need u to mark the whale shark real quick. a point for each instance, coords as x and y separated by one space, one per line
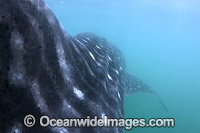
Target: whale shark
45 71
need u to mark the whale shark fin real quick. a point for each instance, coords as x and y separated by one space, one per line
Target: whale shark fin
134 85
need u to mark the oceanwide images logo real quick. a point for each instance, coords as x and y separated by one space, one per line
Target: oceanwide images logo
128 124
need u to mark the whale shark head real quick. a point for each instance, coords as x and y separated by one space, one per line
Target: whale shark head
45 71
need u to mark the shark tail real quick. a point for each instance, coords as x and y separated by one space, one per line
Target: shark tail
134 85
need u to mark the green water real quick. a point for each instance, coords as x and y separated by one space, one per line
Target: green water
160 41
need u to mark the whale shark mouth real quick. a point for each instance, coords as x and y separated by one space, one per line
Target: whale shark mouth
45 71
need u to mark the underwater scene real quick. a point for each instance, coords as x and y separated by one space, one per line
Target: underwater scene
161 46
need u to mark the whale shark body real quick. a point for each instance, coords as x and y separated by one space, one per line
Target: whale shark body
45 71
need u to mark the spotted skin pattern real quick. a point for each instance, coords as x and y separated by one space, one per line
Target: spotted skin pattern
45 71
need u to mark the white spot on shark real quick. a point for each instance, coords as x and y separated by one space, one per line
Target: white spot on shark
79 93
120 68
119 95
69 106
85 41
92 55
117 72
109 77
94 59
17 77
109 58
98 47
66 106
77 40
88 39
80 42
102 115
16 130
